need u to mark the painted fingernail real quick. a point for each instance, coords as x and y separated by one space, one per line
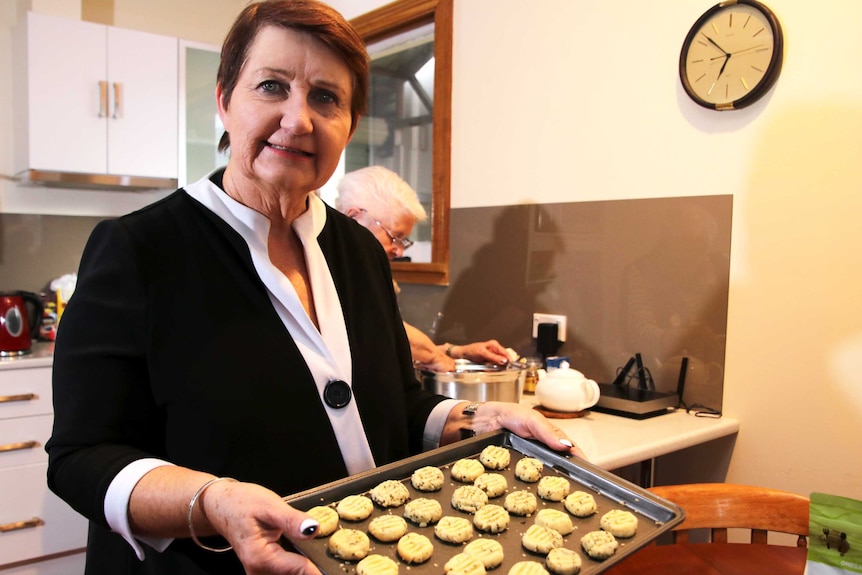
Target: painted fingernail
309 527
567 443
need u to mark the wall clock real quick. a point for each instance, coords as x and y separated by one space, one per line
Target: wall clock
732 55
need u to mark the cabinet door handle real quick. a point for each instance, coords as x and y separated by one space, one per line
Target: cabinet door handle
118 101
19 446
21 397
18 525
103 99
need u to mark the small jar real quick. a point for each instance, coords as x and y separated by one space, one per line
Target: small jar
531 374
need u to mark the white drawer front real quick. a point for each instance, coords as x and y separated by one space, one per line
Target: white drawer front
25 392
69 565
22 440
24 496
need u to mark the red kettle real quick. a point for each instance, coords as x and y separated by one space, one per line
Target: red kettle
18 324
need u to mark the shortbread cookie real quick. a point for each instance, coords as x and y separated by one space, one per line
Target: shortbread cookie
469 498
354 508
599 544
453 529
580 504
377 565
559 521
326 517
491 519
521 503
464 564
493 484
349 544
387 528
488 551
423 511
619 523
467 470
414 548
541 539
495 457
553 488
529 469
562 561
527 568
427 479
390 493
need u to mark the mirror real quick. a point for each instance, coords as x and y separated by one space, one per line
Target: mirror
408 125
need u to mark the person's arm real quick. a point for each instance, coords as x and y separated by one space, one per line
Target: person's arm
519 419
250 517
478 352
426 353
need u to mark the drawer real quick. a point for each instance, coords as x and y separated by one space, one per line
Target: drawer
25 499
25 392
22 440
68 565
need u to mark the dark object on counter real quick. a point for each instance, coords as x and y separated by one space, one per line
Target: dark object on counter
20 318
546 339
624 372
634 402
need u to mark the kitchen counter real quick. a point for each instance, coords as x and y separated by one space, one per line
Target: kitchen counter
612 442
609 441
42 355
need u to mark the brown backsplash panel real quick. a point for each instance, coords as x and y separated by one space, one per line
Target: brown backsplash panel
35 249
646 276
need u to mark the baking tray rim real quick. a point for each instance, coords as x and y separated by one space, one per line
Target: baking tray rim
666 514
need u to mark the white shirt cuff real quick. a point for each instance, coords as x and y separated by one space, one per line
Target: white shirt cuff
117 504
436 422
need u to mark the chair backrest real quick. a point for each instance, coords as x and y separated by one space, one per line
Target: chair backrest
719 506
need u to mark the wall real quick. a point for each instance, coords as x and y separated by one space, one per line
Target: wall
573 100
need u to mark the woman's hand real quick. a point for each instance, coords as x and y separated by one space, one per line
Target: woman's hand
253 519
481 352
519 419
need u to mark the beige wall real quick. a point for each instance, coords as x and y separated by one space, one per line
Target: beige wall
575 100
572 100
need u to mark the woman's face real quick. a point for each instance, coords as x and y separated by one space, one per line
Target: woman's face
289 115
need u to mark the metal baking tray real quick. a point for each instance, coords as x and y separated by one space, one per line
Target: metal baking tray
655 515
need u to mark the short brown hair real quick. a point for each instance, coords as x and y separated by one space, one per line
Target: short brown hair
316 18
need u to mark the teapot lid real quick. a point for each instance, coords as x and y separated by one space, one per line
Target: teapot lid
564 371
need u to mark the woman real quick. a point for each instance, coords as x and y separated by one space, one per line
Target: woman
233 330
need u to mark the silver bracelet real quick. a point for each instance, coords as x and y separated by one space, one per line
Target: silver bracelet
192 503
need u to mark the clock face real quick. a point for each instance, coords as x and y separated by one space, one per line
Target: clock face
732 55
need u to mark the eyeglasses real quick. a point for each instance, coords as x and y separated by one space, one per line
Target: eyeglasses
405 242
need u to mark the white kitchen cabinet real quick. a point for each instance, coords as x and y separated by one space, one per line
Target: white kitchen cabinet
34 523
95 99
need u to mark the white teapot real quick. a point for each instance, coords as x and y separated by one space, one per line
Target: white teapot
566 389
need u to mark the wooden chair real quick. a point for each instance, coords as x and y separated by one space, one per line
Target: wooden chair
719 506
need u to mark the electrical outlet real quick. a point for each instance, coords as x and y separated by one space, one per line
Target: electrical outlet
560 320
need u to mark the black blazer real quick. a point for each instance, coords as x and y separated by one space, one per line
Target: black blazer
170 348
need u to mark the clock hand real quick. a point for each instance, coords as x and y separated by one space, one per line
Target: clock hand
726 55
711 41
748 49
721 71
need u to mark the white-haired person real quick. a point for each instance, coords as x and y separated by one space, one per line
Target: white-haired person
383 202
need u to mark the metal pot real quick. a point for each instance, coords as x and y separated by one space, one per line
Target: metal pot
476 382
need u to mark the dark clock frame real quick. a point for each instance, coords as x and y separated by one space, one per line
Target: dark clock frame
772 71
